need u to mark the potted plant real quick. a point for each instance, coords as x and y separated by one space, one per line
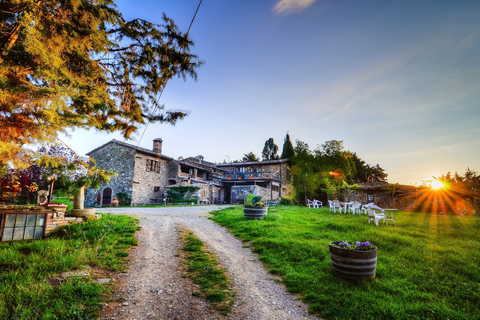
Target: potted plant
353 260
115 202
254 208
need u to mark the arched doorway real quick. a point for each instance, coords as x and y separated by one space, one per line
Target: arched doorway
107 197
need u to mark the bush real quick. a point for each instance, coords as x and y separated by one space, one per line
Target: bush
256 199
184 200
286 201
66 201
181 192
124 198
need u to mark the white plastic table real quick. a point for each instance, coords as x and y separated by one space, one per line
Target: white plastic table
391 216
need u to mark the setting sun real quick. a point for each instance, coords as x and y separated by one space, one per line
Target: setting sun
436 184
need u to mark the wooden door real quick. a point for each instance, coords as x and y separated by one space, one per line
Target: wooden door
107 197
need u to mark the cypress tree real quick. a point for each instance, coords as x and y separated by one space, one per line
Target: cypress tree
287 152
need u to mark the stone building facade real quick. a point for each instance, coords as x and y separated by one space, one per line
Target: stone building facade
146 174
142 173
272 177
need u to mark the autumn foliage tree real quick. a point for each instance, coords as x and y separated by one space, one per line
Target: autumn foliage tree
80 64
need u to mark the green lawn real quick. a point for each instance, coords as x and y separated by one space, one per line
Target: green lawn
28 287
202 267
428 265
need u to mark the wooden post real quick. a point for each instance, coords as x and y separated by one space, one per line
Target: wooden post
50 191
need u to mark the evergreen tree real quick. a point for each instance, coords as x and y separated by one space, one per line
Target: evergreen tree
80 64
251 157
287 152
270 150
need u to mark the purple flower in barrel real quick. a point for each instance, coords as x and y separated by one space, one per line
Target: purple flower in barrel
364 246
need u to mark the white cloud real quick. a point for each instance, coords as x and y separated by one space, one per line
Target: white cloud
289 6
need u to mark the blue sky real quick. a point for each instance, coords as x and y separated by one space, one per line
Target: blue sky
397 81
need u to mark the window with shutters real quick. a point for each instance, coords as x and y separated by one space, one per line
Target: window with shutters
153 166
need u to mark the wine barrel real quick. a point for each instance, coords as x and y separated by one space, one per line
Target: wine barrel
254 212
353 264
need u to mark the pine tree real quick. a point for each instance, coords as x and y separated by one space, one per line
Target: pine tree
287 152
80 64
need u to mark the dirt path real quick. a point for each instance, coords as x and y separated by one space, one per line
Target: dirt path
153 287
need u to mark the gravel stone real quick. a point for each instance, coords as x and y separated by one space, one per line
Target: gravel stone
158 242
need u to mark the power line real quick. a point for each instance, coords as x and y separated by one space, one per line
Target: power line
161 92
193 19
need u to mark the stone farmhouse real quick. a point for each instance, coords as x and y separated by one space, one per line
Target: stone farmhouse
146 175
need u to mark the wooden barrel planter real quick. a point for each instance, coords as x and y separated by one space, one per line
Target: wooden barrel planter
255 212
353 264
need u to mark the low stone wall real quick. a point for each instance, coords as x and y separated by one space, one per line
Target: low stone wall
239 193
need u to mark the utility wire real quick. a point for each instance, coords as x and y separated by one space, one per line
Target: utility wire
161 92
193 19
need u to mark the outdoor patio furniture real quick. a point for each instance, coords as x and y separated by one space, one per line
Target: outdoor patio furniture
344 206
318 203
355 207
334 205
313 203
331 206
391 216
376 214
366 206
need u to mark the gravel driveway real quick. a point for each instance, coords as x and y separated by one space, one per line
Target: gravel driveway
153 287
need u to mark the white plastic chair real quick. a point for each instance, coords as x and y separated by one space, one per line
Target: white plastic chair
355 207
310 203
331 206
336 206
314 203
317 203
366 206
376 214
344 207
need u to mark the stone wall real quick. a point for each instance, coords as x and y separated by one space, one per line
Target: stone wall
286 186
144 182
239 193
209 194
116 158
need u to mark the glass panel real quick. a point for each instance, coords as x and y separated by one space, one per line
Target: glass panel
38 232
18 235
7 234
21 219
40 219
11 220
31 220
29 233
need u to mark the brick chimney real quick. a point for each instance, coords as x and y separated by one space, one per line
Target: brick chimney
157 146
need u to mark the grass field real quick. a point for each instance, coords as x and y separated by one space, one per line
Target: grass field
428 265
28 287
202 267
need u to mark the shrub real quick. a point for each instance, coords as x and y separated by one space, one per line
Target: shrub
124 198
256 199
286 201
184 200
181 192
